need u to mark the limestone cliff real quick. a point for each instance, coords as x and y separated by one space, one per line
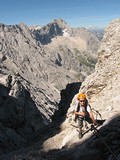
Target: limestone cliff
103 86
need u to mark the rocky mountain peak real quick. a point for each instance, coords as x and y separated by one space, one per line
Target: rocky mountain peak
51 30
61 23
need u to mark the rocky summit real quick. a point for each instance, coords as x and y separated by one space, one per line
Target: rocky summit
41 71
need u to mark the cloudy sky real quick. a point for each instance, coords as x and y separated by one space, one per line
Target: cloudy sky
77 13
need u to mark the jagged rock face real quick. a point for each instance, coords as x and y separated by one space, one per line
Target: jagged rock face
22 56
22 116
103 86
27 102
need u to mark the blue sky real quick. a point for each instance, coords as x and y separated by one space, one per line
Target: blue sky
77 13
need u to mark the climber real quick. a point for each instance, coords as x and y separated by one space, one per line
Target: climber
83 112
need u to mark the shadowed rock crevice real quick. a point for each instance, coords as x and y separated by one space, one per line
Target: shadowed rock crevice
67 95
59 116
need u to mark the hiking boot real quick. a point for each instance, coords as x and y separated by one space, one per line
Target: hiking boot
80 135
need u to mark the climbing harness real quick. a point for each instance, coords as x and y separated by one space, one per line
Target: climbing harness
93 128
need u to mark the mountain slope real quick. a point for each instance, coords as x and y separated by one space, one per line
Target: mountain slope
99 32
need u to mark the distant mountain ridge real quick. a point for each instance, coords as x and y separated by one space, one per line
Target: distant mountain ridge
57 28
99 32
